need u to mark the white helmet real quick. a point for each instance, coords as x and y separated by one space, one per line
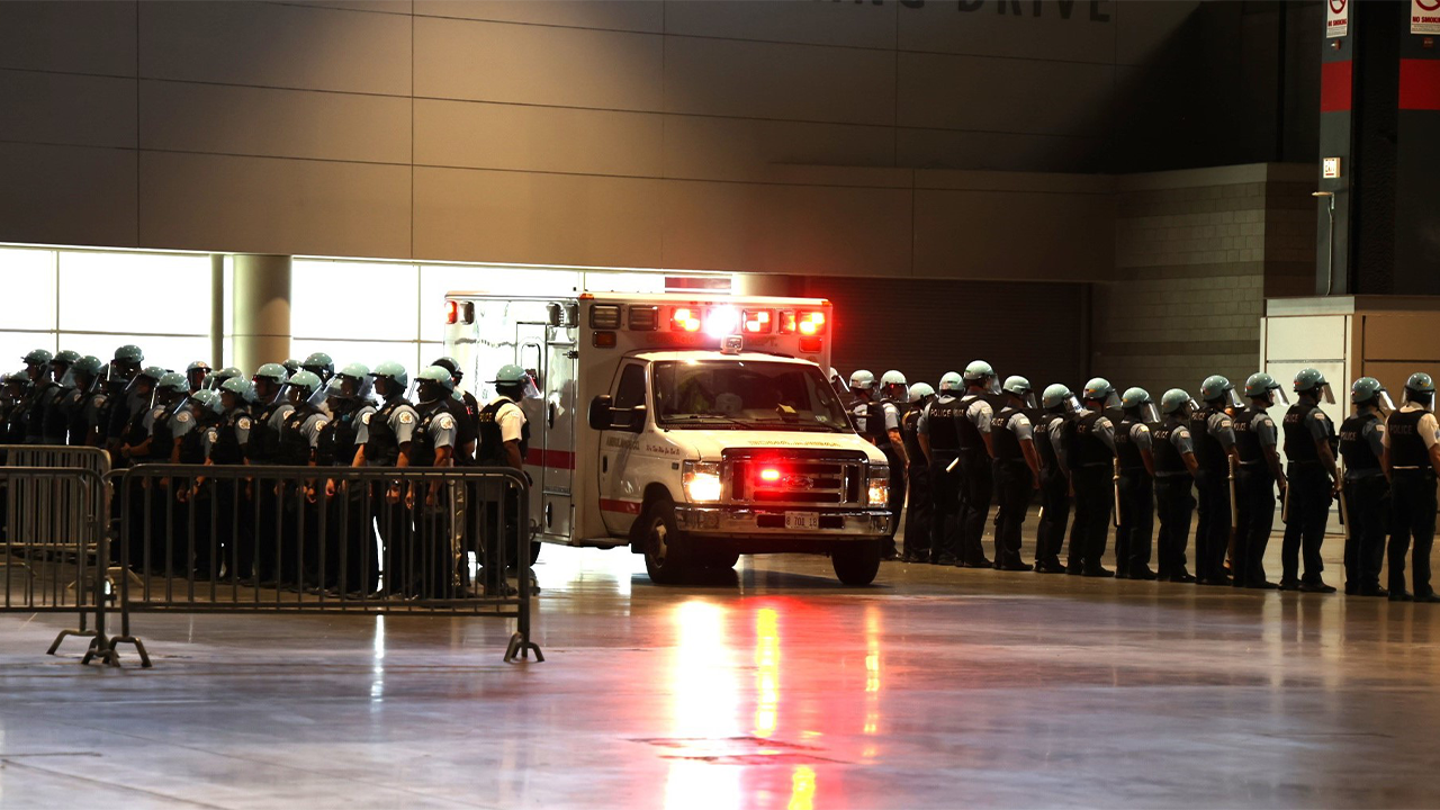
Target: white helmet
862 379
952 382
919 391
893 377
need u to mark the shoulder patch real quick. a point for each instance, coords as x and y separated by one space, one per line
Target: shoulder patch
365 417
182 417
1320 415
406 417
1143 428
446 422
243 423
321 423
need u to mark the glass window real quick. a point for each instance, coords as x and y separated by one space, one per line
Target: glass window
743 394
369 352
29 301
631 390
437 279
15 345
172 353
353 299
147 293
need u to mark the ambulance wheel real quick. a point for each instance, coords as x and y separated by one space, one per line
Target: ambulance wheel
720 560
856 563
534 551
667 555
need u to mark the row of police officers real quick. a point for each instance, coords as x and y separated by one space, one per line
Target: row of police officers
1122 458
310 415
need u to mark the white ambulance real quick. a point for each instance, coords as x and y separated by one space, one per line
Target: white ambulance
692 428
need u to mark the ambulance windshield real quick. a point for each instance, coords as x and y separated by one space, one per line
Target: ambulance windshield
744 395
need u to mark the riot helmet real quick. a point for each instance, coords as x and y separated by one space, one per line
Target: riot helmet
1262 386
451 365
1178 402
37 364
862 381
514 382
268 380
893 386
391 380
319 364
1367 392
206 401
1217 389
217 380
291 366
1099 389
86 372
172 388
235 393
1310 381
60 367
302 387
356 382
195 374
951 382
980 373
433 384
1059 398
1137 402
1420 390
919 393
1020 387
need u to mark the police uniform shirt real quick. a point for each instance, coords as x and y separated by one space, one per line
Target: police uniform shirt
1372 433
1222 427
242 433
1264 429
1019 424
892 415
510 419
362 424
1140 436
180 424
1057 437
1318 424
444 430
980 415
277 419
1104 430
1183 443
312 426
1428 429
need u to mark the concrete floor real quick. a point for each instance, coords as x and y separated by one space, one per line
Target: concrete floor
770 687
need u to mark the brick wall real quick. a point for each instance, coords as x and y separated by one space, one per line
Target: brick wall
1197 252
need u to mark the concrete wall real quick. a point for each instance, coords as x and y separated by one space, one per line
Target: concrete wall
855 139
1197 253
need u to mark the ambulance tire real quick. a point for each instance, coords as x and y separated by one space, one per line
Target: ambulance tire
720 560
534 551
856 563
667 552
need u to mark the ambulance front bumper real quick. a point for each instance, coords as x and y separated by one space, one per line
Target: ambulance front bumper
745 521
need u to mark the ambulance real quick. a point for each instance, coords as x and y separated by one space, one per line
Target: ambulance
689 427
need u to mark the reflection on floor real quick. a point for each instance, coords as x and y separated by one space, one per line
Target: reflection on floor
771 686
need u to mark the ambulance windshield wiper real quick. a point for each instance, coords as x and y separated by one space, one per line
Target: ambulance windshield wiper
738 424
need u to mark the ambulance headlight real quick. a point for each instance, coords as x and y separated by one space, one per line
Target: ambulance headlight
702 481
878 494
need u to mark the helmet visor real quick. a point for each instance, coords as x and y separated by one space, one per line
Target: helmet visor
1232 400
1028 398
1112 401
992 385
1410 399
1149 413
1278 396
1072 404
1384 402
1324 394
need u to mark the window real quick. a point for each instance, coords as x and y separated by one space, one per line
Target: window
748 395
631 390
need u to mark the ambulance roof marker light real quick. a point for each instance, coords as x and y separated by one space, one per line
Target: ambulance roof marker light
684 319
721 321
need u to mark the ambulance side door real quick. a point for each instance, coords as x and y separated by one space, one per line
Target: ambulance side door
620 494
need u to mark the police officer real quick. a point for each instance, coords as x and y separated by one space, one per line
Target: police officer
83 403
1175 465
1049 424
55 423
433 558
140 392
12 426
123 402
467 414
1412 457
1090 455
894 391
321 365
389 433
196 374
917 514
1366 491
1135 485
1213 431
862 406
1258 471
169 422
1313 479
41 394
939 434
504 442
299 435
977 483
205 547
1016 470
225 444
350 559
291 366
217 380
270 408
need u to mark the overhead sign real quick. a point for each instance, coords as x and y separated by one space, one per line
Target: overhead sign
1424 16
1337 18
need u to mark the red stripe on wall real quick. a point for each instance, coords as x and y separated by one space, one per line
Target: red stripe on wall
1420 84
554 459
627 507
1335 86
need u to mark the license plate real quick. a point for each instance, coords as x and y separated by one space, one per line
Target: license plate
802 521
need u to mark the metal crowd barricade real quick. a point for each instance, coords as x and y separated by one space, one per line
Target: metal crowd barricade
54 547
239 539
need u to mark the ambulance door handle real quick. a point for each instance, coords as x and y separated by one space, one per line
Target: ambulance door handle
604 464
550 416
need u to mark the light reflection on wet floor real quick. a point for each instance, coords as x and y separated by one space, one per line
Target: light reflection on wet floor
771 686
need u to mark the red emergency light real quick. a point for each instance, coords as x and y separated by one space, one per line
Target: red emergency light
759 321
812 323
770 474
452 311
685 320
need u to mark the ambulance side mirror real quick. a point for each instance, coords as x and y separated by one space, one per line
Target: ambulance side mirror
604 416
600 412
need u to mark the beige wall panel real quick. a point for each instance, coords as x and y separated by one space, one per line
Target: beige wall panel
274 123
996 151
1013 235
528 64
1145 28
469 215
995 30
275 46
617 15
67 195
79 37
1401 337
960 92
1304 339
548 139
382 6
856 25
791 82
65 109
800 230
273 205
702 147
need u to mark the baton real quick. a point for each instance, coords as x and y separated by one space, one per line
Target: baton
1285 507
1234 502
951 466
1344 510
1115 482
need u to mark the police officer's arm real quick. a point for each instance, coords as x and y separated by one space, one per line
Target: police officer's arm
1105 430
1058 427
1140 434
922 434
981 414
892 429
512 421
1180 437
1320 432
1270 445
1429 430
1025 433
1224 431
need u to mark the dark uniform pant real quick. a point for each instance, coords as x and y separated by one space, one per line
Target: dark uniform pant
1309 511
917 514
1175 506
1054 514
944 509
1412 498
1094 498
1137 522
896 502
1365 502
1014 486
1212 532
1255 512
977 490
